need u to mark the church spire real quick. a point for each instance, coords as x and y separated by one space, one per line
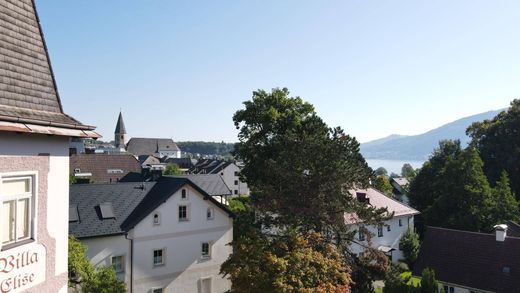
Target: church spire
120 133
120 126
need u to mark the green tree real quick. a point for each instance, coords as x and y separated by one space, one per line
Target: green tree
299 171
172 169
381 171
505 206
410 246
428 282
408 172
498 141
382 184
83 277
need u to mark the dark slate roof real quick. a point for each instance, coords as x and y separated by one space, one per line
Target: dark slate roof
213 184
474 260
208 166
163 189
28 92
120 126
513 229
102 167
149 146
184 163
148 160
124 197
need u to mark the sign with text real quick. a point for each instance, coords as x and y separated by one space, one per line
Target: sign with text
22 268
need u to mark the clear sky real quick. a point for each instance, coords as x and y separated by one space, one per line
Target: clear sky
181 69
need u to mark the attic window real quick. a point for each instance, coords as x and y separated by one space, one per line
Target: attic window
184 193
73 213
156 219
77 170
107 212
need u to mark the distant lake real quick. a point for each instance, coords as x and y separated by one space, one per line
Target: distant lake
393 165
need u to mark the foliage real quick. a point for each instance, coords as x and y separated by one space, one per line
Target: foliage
498 141
381 171
206 148
505 206
172 169
371 265
410 246
299 171
428 282
397 281
408 172
394 175
72 179
83 277
382 183
289 262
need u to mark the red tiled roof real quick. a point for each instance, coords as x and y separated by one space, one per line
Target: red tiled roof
105 168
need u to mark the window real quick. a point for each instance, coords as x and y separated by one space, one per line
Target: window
209 213
388 228
449 289
236 191
184 194
206 250
158 257
156 219
183 213
16 216
361 236
236 182
380 231
205 285
157 290
400 222
236 173
118 263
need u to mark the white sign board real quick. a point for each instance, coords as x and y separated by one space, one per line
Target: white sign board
22 268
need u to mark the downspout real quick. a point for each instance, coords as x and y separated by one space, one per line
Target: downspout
131 261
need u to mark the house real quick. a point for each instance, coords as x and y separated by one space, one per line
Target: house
164 236
104 168
158 147
185 164
34 158
400 188
385 237
227 169
467 262
213 184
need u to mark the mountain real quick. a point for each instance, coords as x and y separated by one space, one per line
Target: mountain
419 147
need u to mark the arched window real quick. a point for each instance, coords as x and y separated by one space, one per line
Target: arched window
156 219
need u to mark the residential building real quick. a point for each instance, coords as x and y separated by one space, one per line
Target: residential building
185 164
164 236
470 262
34 158
229 171
385 237
400 188
213 184
105 168
158 147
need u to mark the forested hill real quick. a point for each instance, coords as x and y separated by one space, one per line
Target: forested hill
206 148
419 147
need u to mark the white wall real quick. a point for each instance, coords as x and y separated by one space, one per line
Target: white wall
101 250
390 238
184 267
228 174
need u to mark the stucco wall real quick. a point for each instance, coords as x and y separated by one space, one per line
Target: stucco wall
184 267
47 157
228 174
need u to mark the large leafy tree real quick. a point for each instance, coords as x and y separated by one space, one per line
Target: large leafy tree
505 207
498 141
300 172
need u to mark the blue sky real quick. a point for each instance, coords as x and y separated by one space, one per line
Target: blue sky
181 69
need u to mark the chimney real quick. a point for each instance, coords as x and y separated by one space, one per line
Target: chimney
362 197
500 232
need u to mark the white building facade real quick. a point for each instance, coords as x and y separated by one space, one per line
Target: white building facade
175 245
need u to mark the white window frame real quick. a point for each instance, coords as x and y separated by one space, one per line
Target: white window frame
163 257
158 219
209 211
32 195
122 270
186 195
202 255
187 219
157 288
210 283
380 229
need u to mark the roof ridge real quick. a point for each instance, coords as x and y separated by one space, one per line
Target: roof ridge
467 232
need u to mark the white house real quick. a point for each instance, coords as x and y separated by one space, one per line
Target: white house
164 236
229 171
34 158
385 237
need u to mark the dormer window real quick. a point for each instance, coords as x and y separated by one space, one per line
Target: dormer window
156 219
184 194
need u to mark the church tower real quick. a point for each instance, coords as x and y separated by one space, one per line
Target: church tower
120 134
